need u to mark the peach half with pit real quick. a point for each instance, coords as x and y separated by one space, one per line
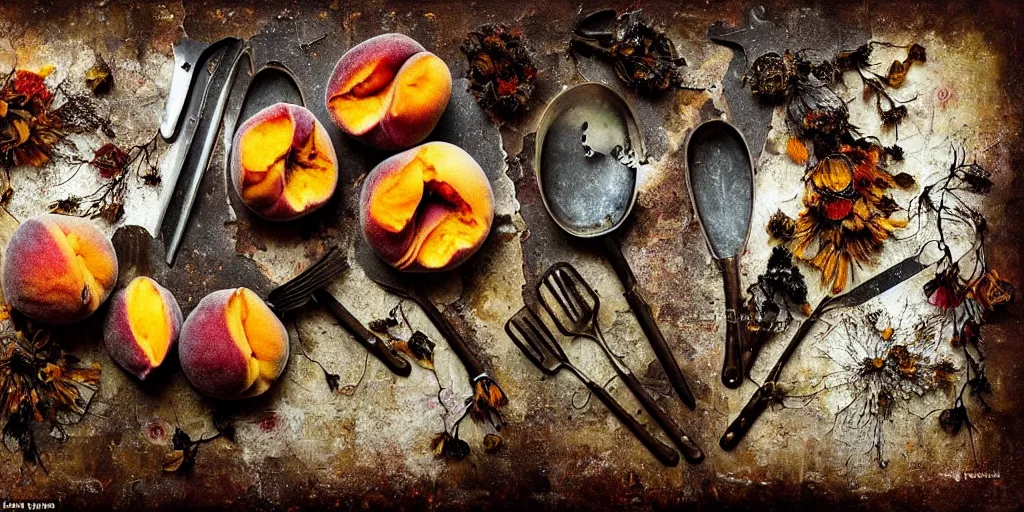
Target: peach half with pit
428 208
58 269
283 164
388 92
142 326
232 345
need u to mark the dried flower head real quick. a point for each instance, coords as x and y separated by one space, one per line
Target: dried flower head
501 72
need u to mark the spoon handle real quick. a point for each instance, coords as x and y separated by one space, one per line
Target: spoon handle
646 319
732 367
663 452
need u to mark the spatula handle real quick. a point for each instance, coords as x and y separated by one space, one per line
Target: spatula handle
645 318
663 452
455 340
732 367
396 363
684 443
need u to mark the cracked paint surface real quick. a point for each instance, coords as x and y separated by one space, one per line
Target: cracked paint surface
301 445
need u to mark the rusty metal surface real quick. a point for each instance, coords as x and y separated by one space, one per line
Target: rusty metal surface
303 446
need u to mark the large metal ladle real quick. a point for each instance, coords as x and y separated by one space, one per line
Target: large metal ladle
589 148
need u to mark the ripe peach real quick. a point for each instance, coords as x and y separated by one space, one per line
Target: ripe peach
58 269
142 326
388 91
232 345
427 208
283 163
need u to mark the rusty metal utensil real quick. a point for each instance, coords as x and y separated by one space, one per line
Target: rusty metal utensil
309 285
720 175
575 309
405 286
538 344
767 392
589 148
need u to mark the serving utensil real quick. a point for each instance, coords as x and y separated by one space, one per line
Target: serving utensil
721 183
309 286
574 307
877 285
538 344
589 148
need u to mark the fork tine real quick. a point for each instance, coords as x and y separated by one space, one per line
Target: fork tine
545 336
516 328
558 293
571 280
569 304
296 291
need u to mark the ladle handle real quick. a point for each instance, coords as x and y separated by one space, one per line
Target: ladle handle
646 319
374 345
663 452
732 366
455 340
683 442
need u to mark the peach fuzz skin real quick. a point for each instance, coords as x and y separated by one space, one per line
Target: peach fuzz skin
58 269
388 92
426 209
283 164
142 326
232 345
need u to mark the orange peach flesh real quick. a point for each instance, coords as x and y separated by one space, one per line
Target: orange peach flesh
253 329
90 263
268 157
148 319
374 90
455 220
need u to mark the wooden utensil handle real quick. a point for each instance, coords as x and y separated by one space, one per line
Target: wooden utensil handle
732 367
663 452
455 340
645 318
741 425
684 443
397 364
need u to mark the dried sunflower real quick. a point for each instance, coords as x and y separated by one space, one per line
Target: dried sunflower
28 127
845 212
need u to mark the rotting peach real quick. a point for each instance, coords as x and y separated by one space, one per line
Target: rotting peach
427 208
142 326
58 269
232 345
388 92
283 164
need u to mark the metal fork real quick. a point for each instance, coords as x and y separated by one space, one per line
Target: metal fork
574 311
309 285
535 340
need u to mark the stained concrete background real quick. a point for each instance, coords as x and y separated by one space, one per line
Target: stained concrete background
303 446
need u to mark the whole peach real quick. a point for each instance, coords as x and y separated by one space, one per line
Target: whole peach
428 208
388 91
283 164
142 326
58 269
232 345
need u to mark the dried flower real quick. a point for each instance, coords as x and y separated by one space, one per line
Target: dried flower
99 77
449 447
781 226
643 56
501 72
488 398
990 291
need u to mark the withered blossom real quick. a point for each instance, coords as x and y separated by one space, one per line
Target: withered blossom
643 56
501 72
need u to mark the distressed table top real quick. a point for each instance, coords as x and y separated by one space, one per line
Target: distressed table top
302 445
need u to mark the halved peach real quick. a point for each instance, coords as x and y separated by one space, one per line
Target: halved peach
232 345
283 164
388 91
428 208
58 269
142 326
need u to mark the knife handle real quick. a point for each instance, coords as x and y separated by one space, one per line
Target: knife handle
645 318
663 452
732 366
396 363
691 452
741 425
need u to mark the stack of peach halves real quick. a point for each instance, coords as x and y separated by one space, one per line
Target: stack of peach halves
59 270
427 208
